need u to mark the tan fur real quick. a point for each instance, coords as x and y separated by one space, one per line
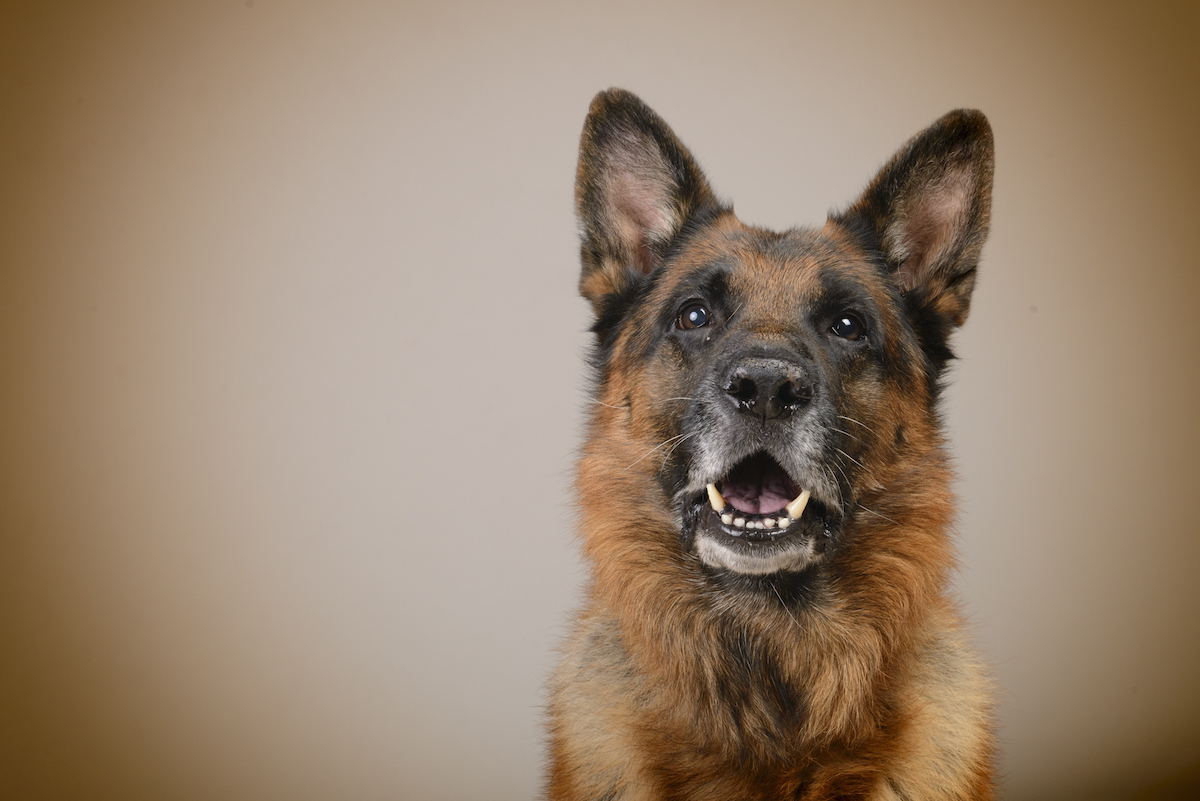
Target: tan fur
676 683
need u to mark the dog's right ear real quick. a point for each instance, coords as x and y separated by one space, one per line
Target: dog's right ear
635 187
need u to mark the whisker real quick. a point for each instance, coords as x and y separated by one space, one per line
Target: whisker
608 405
874 482
851 458
847 433
656 447
665 400
783 603
682 440
864 425
884 517
841 500
833 480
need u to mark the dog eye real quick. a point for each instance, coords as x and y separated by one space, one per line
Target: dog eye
847 326
694 315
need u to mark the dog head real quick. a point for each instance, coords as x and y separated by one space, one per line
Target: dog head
777 386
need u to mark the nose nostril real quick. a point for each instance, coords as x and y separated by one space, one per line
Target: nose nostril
792 393
743 389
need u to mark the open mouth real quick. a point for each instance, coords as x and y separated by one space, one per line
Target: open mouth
759 500
759 520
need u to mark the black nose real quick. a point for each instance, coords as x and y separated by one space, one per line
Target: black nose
768 388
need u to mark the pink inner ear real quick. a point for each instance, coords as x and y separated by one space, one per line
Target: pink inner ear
638 196
930 224
642 213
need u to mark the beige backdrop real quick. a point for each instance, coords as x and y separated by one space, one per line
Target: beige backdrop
291 370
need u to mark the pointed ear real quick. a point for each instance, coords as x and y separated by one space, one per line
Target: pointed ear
635 188
927 211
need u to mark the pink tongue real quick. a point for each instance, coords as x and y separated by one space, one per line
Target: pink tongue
756 498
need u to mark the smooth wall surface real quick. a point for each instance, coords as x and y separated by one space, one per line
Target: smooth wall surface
291 370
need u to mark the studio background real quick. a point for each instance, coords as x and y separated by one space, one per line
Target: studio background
291 370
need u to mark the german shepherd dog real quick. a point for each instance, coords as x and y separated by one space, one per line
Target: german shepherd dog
764 489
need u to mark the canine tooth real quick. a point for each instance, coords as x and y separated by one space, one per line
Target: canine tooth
740 522
784 522
727 519
796 507
769 522
715 498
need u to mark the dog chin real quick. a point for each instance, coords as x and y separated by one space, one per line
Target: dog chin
792 555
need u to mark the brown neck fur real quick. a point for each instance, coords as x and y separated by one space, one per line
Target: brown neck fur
788 681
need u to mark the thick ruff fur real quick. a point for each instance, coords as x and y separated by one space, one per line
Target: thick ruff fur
732 647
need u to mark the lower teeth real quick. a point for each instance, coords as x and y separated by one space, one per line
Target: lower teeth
759 524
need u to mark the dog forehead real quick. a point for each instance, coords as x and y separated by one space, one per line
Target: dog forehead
758 266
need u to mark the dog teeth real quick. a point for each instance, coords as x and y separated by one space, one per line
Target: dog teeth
796 507
715 498
720 505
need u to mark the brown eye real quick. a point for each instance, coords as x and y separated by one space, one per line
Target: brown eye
694 315
847 326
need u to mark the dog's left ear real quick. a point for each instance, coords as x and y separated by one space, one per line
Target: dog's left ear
927 211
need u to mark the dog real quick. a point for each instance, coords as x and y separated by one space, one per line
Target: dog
764 488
